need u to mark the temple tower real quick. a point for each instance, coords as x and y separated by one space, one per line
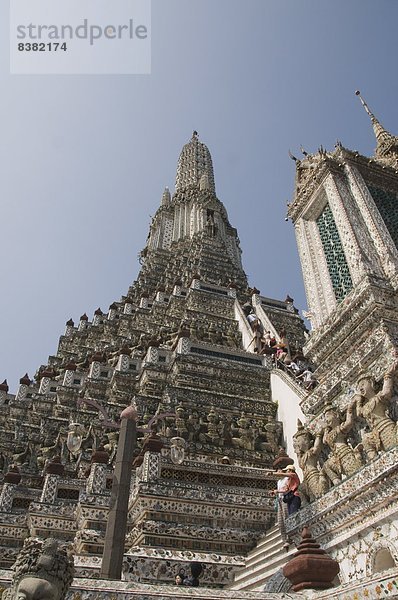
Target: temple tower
179 344
345 214
190 235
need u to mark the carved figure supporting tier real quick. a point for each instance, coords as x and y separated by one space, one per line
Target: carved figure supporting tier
245 433
372 407
43 571
21 455
49 449
180 424
308 450
268 437
343 460
224 428
212 436
194 427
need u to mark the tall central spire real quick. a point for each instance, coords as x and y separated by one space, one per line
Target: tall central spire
195 167
190 235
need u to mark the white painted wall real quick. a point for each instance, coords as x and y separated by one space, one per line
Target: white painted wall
288 412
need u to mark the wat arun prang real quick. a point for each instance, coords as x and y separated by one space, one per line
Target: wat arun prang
180 344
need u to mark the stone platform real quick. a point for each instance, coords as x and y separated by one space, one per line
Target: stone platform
89 589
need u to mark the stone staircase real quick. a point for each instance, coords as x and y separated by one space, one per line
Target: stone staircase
263 562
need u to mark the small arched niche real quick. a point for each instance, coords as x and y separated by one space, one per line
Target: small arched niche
383 560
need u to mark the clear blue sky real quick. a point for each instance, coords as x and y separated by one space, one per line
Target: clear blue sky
84 159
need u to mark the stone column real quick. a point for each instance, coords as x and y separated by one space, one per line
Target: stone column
117 519
160 296
96 361
83 323
128 307
152 355
50 489
144 301
3 392
69 328
69 374
11 481
112 311
96 482
6 497
98 317
44 385
177 288
54 470
24 384
123 362
45 380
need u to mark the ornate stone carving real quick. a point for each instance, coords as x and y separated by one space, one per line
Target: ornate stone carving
173 342
343 460
372 407
42 570
308 451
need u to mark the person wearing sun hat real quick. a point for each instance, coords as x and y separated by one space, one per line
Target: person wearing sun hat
281 509
291 494
287 496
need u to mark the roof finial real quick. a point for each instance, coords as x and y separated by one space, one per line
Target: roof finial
303 151
366 107
387 144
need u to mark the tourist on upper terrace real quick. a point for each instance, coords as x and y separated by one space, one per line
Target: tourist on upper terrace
292 366
268 344
300 362
297 367
253 320
283 343
266 339
308 378
258 330
247 308
281 354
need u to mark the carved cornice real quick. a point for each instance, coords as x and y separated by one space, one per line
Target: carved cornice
372 348
309 178
356 498
312 172
348 316
198 466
